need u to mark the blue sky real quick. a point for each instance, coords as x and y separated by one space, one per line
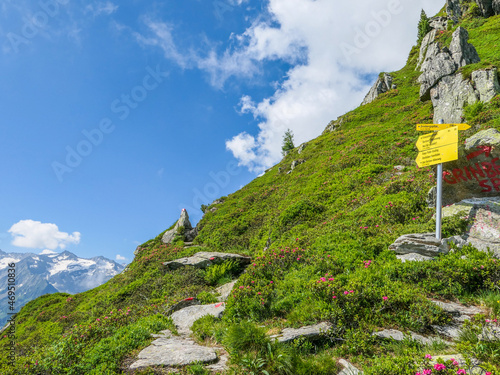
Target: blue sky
116 115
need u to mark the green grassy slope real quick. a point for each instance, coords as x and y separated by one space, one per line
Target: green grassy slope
333 217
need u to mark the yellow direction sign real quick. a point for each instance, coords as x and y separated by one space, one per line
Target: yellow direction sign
437 155
439 147
436 127
438 139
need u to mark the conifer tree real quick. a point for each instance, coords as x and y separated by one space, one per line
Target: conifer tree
423 26
287 142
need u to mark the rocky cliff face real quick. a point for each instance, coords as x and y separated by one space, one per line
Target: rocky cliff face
441 80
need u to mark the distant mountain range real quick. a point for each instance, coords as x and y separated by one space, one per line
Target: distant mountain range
50 272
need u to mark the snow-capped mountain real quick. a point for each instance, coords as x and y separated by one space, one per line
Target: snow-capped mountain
50 272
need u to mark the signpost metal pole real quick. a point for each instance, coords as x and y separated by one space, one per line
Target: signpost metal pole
439 196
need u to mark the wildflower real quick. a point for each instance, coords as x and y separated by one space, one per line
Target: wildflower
428 356
461 371
439 366
385 298
427 372
334 297
346 292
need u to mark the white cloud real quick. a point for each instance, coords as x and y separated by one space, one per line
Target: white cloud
47 252
101 8
332 46
37 235
120 258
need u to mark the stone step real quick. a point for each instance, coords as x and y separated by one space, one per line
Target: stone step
205 259
184 318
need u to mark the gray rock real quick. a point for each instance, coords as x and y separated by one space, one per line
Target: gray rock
462 51
334 125
412 257
205 259
486 83
426 43
190 235
420 243
483 231
182 305
172 351
496 6
450 331
439 23
309 332
348 368
382 85
438 63
400 336
221 365
184 319
456 240
454 10
486 7
457 309
296 163
450 96
476 173
301 148
224 291
184 222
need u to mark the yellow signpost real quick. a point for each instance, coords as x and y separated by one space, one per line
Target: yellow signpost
436 127
438 147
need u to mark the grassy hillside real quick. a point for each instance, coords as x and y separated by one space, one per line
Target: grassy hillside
332 217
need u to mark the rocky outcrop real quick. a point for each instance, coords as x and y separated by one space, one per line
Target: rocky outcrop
441 62
309 332
348 368
296 163
171 351
301 148
224 291
182 228
382 85
439 23
486 84
476 173
462 51
424 46
483 231
184 319
450 96
400 336
335 125
486 7
205 259
424 244
454 9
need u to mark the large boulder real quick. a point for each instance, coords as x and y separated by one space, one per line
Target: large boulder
483 231
486 7
476 173
424 46
205 259
486 84
425 244
462 51
450 96
454 9
441 62
189 232
382 85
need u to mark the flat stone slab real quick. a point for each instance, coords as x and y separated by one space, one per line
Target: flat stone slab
349 369
182 305
413 257
400 336
172 351
309 332
225 291
205 259
450 331
424 244
184 319
458 309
